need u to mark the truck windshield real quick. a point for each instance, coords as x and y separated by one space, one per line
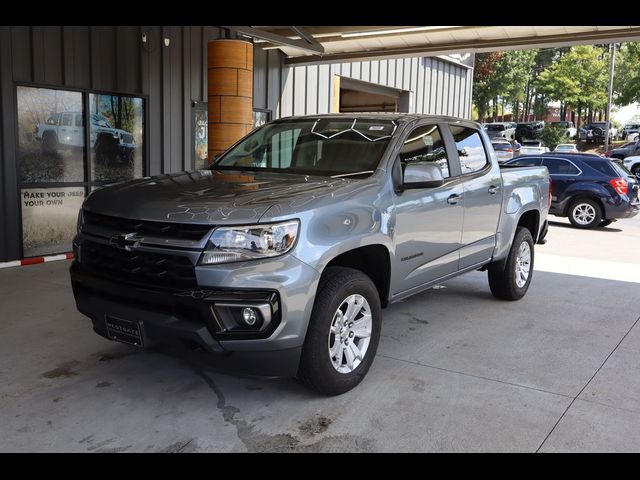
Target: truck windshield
332 147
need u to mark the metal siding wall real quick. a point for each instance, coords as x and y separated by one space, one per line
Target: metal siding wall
436 86
312 90
324 89
113 58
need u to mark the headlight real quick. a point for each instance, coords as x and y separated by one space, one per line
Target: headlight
239 244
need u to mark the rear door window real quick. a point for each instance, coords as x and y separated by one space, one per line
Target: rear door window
601 166
473 157
560 166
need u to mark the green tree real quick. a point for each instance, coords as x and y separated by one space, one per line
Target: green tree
626 81
485 86
552 135
579 78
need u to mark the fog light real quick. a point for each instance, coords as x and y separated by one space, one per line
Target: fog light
249 315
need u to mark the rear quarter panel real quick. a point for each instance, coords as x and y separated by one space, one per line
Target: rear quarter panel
525 189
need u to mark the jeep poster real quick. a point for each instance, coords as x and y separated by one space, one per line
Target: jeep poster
50 135
49 217
117 129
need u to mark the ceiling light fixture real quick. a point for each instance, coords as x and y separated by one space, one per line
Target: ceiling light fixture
393 30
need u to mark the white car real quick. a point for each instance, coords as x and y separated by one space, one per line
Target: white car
632 137
533 147
500 130
566 148
503 150
533 150
633 164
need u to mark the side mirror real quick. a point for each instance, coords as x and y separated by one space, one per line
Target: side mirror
422 175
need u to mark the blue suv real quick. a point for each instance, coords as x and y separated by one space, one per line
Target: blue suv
591 190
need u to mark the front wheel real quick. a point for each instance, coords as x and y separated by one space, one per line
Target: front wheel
636 171
343 333
512 281
585 213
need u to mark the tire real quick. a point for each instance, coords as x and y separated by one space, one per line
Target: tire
318 369
507 283
106 152
636 171
585 213
49 144
605 223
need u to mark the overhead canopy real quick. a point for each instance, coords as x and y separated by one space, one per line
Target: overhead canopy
351 43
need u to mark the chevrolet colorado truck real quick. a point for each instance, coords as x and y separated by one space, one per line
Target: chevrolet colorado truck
281 256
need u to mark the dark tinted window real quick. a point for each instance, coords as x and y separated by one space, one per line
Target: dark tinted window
601 166
424 144
559 166
526 162
470 149
495 128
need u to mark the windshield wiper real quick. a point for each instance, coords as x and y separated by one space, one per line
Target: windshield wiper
350 174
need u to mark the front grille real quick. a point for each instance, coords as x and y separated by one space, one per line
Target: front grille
140 268
181 231
127 138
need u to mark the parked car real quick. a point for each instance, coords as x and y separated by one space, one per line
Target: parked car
282 254
630 128
591 190
570 128
633 164
626 150
532 147
529 131
66 130
503 150
566 147
633 137
596 132
500 130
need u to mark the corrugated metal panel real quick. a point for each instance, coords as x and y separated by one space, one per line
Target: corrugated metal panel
114 59
436 86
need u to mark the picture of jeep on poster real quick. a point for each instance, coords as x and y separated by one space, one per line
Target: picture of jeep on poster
50 135
117 128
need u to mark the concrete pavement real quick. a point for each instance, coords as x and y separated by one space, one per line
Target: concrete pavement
456 371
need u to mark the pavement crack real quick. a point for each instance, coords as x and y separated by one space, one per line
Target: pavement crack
480 377
587 384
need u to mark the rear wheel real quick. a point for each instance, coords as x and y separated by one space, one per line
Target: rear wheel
636 170
343 333
511 280
585 213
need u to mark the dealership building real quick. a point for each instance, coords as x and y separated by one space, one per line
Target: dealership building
164 99
85 106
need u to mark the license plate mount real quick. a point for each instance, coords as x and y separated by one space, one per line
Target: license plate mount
125 331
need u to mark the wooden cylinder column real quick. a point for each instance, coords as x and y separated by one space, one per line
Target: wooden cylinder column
230 87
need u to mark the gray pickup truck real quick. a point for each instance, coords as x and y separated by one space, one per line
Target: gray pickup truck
282 255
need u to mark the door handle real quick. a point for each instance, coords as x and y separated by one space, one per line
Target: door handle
493 189
453 199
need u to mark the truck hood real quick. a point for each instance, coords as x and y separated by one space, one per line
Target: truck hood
206 196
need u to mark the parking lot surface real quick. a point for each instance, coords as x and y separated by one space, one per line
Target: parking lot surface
456 370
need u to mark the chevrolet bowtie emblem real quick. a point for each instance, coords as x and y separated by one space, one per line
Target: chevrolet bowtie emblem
128 242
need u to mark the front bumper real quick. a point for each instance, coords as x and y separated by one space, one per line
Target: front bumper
185 316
